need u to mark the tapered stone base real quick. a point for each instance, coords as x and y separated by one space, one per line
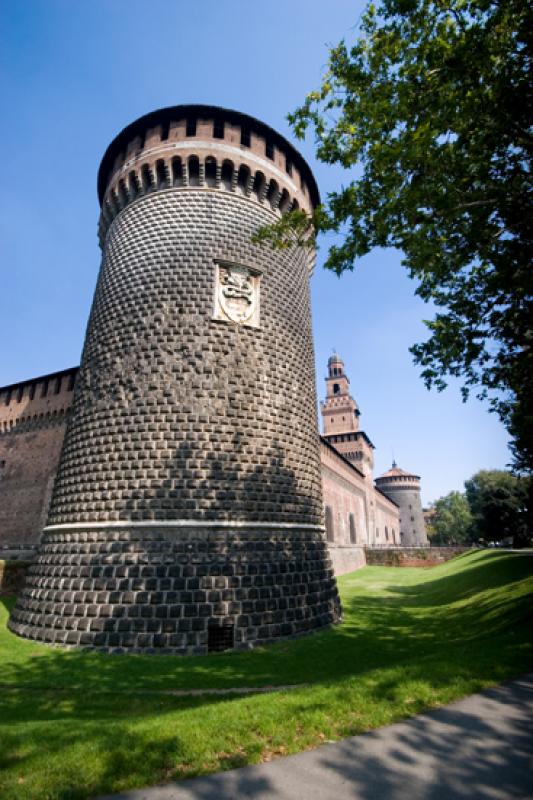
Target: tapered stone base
177 590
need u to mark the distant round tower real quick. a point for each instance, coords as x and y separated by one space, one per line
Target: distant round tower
187 510
403 488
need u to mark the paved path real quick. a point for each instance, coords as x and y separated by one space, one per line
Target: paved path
480 748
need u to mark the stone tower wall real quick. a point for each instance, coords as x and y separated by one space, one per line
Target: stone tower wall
187 509
177 415
406 494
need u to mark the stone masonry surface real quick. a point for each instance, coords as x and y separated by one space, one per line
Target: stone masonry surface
188 496
140 590
176 415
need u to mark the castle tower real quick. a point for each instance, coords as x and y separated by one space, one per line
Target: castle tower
404 489
187 510
340 418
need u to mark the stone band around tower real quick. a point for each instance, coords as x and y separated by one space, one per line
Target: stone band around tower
187 510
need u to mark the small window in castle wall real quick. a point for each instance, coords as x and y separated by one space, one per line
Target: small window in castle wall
31 391
377 533
44 390
165 128
210 171
57 387
244 179
330 533
288 166
284 202
194 171
226 175
269 150
273 193
71 379
353 532
245 137
218 129
386 533
259 184
190 129
147 179
161 173
20 393
336 388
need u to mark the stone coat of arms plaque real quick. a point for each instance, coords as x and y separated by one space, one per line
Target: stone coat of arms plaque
237 294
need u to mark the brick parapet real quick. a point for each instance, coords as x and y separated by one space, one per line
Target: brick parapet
150 157
37 402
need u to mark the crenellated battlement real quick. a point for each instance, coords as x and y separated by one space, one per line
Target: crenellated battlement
30 405
202 147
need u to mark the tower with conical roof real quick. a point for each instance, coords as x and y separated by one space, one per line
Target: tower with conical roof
404 489
340 416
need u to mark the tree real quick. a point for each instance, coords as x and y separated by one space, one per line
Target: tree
501 506
452 521
431 110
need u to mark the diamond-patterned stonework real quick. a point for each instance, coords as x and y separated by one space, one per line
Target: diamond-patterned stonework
161 591
200 433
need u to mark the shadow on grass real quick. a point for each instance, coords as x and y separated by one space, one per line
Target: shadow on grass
474 577
83 746
110 745
410 622
453 752
107 709
468 754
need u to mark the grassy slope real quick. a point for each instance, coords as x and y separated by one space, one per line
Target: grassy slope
74 724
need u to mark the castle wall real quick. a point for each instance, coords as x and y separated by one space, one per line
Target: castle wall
32 428
386 520
345 494
357 515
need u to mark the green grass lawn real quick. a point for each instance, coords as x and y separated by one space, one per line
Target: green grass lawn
76 724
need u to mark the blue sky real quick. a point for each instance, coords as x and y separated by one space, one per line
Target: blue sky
74 73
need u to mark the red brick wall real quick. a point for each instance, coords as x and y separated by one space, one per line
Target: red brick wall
32 427
345 492
30 464
412 556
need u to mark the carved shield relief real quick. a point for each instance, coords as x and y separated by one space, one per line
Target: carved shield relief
237 294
